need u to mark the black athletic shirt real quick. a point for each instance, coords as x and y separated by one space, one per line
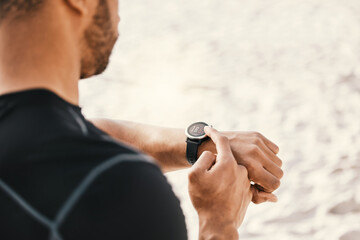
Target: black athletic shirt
63 178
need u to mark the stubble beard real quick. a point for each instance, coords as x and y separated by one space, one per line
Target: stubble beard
98 42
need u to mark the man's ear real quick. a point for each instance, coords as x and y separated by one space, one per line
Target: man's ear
79 6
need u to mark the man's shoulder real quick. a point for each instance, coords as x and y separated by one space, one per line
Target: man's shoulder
125 160
131 198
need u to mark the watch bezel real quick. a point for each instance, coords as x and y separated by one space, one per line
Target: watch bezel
195 137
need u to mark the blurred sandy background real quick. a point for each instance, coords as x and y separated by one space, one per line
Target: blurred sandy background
289 69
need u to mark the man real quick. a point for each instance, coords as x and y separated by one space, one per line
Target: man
63 178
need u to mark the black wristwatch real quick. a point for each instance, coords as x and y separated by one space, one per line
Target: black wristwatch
195 136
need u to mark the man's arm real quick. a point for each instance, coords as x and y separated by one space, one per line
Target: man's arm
219 190
168 147
130 200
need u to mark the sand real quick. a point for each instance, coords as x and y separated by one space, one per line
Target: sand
288 69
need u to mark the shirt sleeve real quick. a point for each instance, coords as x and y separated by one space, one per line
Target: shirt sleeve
132 200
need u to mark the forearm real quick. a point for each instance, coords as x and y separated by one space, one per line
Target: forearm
166 145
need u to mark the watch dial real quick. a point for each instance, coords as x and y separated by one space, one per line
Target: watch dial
197 129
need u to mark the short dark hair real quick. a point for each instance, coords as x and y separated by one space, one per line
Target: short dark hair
18 8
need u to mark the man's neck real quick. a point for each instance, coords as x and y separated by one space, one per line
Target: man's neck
38 55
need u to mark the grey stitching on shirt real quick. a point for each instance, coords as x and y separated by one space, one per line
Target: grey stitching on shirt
79 121
74 197
25 205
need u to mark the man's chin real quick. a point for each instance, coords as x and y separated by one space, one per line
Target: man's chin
99 70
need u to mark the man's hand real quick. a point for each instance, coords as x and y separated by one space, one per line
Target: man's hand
220 190
258 155
168 147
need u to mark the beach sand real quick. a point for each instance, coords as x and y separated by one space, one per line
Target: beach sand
288 69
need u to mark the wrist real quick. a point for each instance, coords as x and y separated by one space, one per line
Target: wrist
214 228
170 148
207 145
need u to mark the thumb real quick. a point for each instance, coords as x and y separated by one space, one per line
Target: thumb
260 196
205 161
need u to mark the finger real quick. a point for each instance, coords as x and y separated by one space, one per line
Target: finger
272 146
273 169
259 196
244 172
205 161
271 155
270 165
221 142
266 180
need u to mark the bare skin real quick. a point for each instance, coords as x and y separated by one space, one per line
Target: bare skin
53 49
168 146
40 51
220 204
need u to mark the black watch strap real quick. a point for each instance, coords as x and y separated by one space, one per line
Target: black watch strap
192 150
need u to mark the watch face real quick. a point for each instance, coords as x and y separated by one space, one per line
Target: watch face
196 130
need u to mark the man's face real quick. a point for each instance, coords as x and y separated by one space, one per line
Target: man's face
99 39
